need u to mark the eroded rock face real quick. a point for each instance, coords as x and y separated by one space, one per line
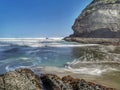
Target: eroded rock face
100 19
21 79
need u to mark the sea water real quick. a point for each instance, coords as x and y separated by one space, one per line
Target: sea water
15 53
59 55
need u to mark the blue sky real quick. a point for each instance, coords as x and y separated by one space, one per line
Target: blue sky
39 18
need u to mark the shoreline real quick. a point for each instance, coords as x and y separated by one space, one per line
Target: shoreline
51 81
102 41
109 79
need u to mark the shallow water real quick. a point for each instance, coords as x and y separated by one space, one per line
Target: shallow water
85 60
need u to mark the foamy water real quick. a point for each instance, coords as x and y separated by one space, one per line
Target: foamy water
47 52
54 55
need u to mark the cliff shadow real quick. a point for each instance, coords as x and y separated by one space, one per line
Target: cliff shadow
99 33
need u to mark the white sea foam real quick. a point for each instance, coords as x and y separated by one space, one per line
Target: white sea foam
42 42
33 42
79 45
8 68
93 67
73 62
82 70
89 71
24 58
31 39
60 45
78 61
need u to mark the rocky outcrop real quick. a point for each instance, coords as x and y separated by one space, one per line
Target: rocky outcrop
103 41
81 84
53 82
25 79
100 19
21 79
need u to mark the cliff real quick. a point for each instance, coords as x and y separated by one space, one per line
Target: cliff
100 19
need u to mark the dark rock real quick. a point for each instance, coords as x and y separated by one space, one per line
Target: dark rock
21 79
81 84
103 41
100 19
1 83
53 82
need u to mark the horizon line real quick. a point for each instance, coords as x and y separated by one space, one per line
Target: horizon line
35 38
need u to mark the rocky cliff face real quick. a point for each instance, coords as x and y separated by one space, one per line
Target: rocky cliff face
100 19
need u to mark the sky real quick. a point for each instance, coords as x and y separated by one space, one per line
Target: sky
39 18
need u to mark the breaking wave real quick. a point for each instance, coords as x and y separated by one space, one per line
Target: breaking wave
89 71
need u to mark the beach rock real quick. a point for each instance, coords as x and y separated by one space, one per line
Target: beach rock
21 79
1 83
81 84
103 41
53 82
100 19
25 79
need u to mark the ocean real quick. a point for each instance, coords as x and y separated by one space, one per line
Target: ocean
15 53
55 54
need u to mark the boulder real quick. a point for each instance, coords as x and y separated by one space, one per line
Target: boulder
21 79
53 82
